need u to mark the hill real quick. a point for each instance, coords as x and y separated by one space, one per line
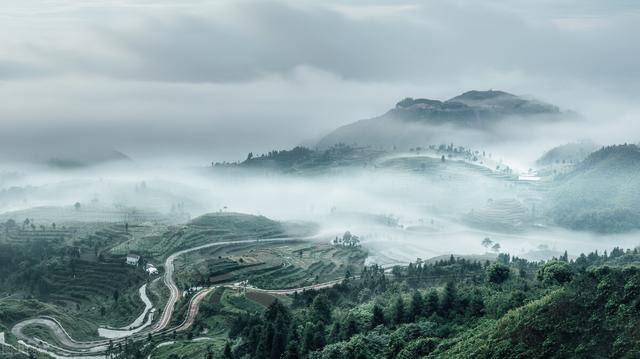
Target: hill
302 160
212 227
593 317
414 121
568 153
602 193
71 161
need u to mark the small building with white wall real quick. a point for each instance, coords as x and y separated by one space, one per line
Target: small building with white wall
133 259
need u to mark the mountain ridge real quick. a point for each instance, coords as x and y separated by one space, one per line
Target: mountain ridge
472 110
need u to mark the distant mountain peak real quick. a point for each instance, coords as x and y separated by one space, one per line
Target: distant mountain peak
86 159
472 108
475 95
477 110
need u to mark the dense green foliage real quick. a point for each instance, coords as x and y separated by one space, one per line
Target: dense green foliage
587 308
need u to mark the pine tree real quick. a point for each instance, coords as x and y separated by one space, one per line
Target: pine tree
377 316
279 341
335 333
351 328
397 312
321 309
447 305
416 306
292 351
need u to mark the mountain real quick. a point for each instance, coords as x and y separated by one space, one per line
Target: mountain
568 153
602 193
79 160
413 121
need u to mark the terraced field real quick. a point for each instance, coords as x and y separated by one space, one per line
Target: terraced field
500 201
86 213
213 227
269 265
83 281
67 272
18 236
505 215
88 278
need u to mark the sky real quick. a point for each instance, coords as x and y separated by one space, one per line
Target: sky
201 81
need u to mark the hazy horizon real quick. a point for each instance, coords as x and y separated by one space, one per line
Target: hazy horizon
211 81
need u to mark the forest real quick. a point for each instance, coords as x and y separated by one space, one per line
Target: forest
584 307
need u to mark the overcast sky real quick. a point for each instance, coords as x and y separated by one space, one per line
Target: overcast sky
216 79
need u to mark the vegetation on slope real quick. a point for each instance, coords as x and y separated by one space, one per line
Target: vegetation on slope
602 194
459 309
570 153
213 227
304 160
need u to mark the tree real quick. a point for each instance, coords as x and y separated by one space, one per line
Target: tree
418 348
496 247
249 156
116 295
555 272
292 352
77 206
449 297
565 256
487 242
498 273
416 306
397 311
350 328
279 341
377 316
321 309
227 354
442 159
431 303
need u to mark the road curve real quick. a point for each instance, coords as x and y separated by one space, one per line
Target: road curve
174 292
95 349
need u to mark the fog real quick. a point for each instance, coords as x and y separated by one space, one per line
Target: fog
399 215
175 86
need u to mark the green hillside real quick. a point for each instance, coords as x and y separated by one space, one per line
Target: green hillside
458 308
213 227
596 316
602 194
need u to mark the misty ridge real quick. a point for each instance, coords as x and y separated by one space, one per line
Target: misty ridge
424 168
319 180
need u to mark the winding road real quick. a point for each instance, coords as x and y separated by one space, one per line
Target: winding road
96 349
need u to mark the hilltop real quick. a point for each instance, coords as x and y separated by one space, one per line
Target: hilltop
412 121
568 153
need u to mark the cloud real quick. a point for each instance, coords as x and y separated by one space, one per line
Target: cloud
217 79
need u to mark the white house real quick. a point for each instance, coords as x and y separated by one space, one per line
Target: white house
133 259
